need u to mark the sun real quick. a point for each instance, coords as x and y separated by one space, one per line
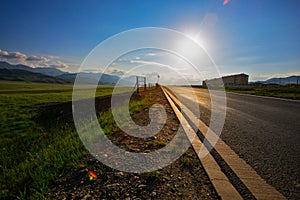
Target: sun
191 44
196 38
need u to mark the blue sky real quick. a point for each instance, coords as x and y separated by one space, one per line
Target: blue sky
258 37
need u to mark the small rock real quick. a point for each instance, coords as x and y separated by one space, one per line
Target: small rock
142 186
153 193
120 173
113 185
86 197
83 170
153 137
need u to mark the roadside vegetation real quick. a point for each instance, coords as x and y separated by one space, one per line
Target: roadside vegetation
281 91
32 154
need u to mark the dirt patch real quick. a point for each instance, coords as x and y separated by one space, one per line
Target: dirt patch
183 179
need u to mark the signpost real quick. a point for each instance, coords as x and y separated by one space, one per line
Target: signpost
140 82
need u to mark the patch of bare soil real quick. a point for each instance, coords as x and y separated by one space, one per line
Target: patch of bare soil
183 179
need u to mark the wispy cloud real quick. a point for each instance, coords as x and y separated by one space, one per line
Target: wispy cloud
157 64
149 63
151 54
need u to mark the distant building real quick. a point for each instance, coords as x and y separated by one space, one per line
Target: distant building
232 80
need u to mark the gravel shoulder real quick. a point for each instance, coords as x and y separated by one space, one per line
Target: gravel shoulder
183 179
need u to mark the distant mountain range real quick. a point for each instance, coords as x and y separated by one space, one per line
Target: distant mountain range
280 81
27 76
52 75
43 70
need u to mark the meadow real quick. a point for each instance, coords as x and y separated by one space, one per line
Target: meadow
280 91
32 154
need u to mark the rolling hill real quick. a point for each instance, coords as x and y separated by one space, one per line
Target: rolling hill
91 77
54 73
283 81
279 81
43 70
27 76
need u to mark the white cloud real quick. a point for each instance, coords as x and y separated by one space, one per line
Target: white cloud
3 53
59 65
115 71
32 60
151 54
12 55
37 58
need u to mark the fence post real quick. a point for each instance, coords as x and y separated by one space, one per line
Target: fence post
137 84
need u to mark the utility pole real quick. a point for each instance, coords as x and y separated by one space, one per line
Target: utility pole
157 84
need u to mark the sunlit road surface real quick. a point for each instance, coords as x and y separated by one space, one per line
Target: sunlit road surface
265 132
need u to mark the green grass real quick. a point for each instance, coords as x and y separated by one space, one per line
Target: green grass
32 156
153 177
286 91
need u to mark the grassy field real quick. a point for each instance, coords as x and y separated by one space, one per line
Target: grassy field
281 91
32 155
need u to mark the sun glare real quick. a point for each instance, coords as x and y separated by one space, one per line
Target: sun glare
196 38
191 44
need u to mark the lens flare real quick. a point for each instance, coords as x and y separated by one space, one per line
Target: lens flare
92 175
226 2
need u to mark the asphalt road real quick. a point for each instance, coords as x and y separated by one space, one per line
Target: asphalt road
265 132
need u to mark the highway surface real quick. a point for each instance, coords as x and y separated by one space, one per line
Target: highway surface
265 132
